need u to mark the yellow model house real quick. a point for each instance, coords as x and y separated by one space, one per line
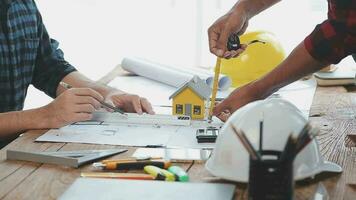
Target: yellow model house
190 98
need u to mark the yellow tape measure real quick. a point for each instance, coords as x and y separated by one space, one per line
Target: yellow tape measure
215 87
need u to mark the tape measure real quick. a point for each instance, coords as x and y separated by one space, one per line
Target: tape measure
233 43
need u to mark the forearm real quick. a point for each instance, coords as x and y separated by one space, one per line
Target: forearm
298 64
253 7
14 123
78 80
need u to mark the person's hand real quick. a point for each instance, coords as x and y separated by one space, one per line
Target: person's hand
235 21
236 100
130 102
73 105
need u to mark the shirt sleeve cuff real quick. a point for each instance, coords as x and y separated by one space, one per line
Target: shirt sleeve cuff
58 78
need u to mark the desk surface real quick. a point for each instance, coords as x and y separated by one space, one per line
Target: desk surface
333 110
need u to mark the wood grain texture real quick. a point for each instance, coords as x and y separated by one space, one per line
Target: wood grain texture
333 111
338 108
13 173
28 180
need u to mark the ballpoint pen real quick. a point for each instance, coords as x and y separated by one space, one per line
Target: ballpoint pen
104 104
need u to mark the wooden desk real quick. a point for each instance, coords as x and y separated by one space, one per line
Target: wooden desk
333 110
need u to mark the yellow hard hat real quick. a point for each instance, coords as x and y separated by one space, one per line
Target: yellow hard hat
257 60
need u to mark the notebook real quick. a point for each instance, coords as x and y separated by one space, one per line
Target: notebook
343 75
337 77
107 189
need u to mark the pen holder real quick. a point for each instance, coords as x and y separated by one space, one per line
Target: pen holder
269 178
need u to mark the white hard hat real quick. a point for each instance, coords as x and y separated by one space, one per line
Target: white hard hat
230 160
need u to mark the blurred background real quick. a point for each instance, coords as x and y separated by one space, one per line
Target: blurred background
96 34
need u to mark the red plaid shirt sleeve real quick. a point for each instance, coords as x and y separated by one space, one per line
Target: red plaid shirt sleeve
335 38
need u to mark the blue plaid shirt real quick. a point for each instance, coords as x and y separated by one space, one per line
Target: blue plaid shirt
27 55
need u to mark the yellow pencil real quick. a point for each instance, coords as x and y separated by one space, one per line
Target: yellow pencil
215 87
132 176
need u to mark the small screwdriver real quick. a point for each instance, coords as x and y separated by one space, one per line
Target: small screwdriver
131 165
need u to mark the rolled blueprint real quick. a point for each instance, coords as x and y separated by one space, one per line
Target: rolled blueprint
169 75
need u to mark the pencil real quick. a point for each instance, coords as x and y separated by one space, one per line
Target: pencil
104 104
132 176
304 132
311 135
246 143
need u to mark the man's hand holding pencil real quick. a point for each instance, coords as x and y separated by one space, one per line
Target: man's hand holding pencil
78 104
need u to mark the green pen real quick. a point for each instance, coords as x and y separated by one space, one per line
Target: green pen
180 174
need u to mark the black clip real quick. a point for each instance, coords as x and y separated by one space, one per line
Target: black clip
233 42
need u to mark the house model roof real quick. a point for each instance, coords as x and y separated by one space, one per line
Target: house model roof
198 86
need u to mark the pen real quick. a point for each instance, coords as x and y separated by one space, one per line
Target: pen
131 165
311 135
261 133
246 143
289 151
154 146
104 104
303 134
131 176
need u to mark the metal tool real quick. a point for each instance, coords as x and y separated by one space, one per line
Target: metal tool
234 43
68 158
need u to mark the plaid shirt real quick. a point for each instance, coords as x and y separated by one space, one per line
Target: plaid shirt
335 38
27 54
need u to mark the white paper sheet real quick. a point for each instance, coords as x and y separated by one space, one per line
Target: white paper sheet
129 135
111 134
169 75
110 189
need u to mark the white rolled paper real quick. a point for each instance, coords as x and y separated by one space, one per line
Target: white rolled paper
169 75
